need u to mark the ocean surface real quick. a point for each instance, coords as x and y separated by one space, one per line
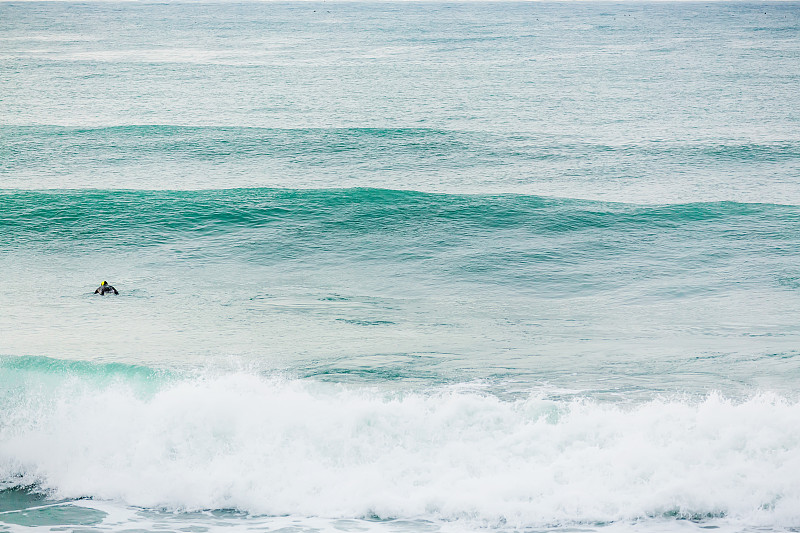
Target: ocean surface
400 267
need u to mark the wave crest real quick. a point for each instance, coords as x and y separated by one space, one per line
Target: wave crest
275 446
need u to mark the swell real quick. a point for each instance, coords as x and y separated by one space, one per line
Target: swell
269 445
223 141
58 150
553 246
149 216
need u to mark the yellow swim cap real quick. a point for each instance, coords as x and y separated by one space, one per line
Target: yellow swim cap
103 283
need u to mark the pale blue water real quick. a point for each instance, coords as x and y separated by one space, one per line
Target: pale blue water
400 266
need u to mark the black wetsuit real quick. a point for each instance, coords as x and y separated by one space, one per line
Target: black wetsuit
102 289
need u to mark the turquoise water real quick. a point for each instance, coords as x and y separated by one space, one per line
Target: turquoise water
399 266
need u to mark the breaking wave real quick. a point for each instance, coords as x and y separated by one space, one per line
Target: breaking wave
278 446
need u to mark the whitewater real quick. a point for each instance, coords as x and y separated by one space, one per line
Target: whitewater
400 267
282 447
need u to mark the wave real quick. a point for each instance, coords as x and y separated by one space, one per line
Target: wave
193 157
428 245
87 214
277 446
370 147
569 245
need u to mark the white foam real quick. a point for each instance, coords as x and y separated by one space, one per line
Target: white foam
300 448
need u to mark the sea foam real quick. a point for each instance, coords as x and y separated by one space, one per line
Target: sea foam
296 447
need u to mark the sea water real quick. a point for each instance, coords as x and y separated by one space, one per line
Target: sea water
400 267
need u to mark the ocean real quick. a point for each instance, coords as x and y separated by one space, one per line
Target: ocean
400 267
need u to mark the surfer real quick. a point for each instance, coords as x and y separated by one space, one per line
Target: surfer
104 288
